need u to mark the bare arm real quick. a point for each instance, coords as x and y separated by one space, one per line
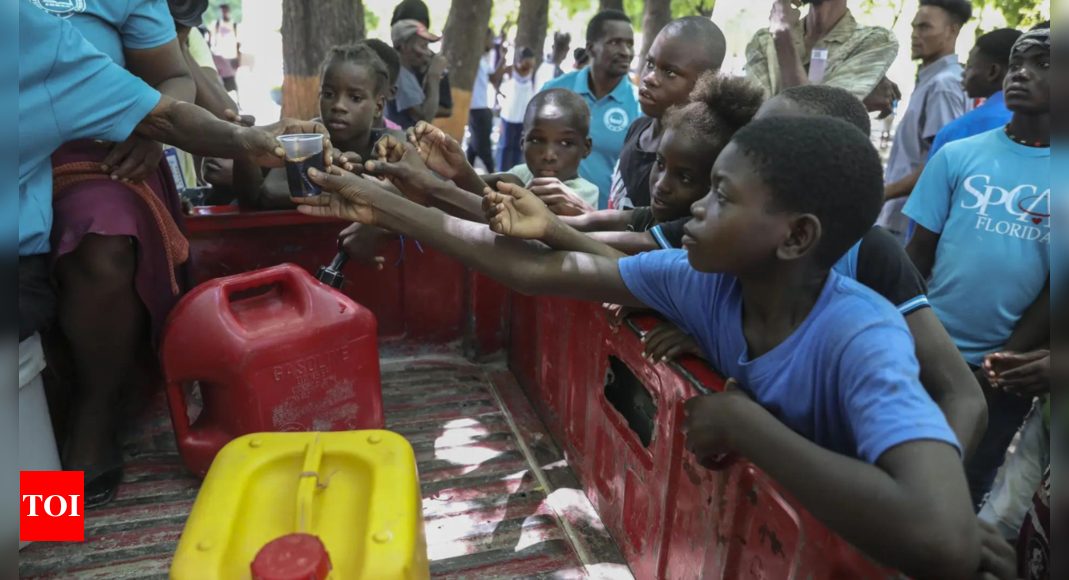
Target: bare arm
947 378
163 68
784 18
1033 329
630 243
875 507
921 249
497 75
195 130
211 95
903 187
791 71
519 265
609 220
432 89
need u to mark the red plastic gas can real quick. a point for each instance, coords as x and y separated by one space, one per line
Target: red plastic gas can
272 350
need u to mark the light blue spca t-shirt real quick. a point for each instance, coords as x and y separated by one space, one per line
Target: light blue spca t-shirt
990 200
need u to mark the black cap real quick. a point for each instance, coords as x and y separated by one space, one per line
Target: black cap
188 12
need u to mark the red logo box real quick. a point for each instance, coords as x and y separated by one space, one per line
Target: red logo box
52 506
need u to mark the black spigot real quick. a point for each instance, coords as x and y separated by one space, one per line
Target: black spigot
332 275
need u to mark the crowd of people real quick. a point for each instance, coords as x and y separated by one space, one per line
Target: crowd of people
879 373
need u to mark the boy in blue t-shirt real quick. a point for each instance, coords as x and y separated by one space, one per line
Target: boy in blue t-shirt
840 419
983 212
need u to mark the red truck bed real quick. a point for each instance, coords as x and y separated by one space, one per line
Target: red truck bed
562 458
487 466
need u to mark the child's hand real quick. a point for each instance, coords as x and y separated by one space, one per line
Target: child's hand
404 168
998 559
615 314
389 149
559 197
350 162
345 196
439 151
709 421
667 342
1026 374
516 212
364 244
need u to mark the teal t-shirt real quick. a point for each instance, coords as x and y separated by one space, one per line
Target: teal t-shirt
610 118
111 25
990 200
68 90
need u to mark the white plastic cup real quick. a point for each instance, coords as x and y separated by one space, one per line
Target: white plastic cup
303 152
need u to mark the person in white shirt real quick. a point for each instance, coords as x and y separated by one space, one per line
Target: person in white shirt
519 90
551 67
483 96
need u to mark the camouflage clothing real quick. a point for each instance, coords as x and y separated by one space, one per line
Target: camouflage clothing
858 56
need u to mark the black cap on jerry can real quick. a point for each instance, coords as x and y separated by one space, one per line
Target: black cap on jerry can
332 275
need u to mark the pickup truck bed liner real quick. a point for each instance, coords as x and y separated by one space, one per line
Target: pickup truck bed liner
499 499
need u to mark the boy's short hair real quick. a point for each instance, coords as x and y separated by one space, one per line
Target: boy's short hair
960 11
361 54
835 102
596 29
1045 25
719 105
568 100
524 53
820 166
703 34
997 44
388 56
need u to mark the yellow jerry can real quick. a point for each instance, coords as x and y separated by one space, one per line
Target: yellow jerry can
357 492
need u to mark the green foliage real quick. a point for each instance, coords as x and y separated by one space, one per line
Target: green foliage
212 13
1018 13
575 6
681 8
371 20
635 8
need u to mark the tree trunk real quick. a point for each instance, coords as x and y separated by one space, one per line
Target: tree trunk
657 15
310 28
531 26
462 43
611 5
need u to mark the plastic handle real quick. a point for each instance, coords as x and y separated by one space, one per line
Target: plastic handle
179 411
286 276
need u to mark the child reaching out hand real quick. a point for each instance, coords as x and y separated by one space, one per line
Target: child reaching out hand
693 135
838 416
352 97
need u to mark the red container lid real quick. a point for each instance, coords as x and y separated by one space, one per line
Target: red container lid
292 557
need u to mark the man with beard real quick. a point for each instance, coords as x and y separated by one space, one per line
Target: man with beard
856 57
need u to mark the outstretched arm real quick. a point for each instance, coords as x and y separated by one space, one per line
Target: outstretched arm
515 263
197 131
518 213
629 243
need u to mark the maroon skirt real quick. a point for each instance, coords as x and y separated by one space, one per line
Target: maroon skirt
108 208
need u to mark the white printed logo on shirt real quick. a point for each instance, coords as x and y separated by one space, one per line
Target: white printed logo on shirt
617 120
61 8
1027 206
